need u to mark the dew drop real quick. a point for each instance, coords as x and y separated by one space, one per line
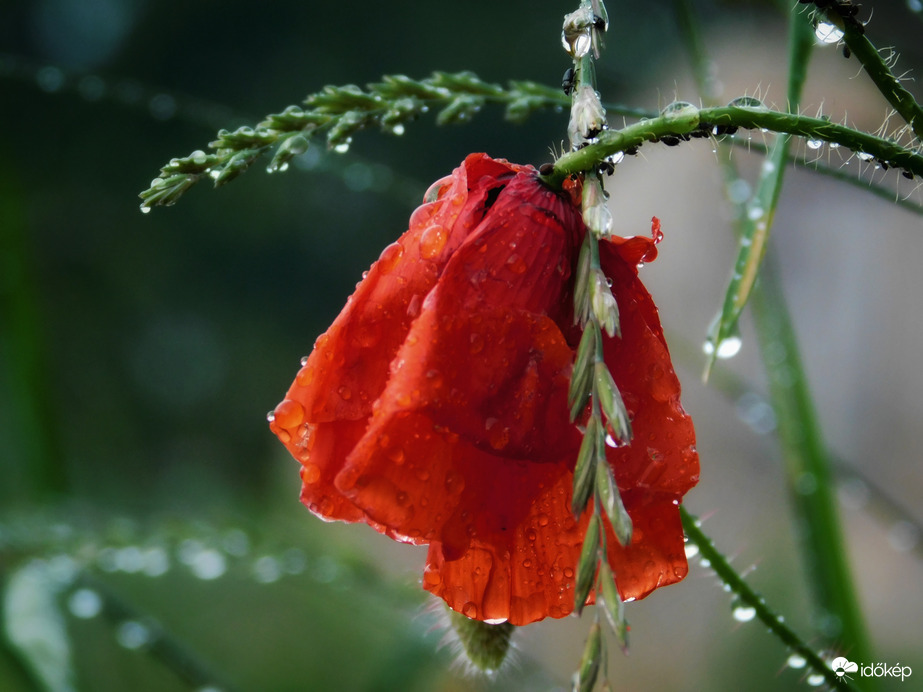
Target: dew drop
145 209
85 604
815 680
342 147
398 129
236 543
747 102
310 474
516 264
266 570
470 610
208 564
796 661
825 32
432 240
155 561
815 144
754 212
288 414
728 348
743 613
131 634
543 520
864 156
691 550
390 256
577 45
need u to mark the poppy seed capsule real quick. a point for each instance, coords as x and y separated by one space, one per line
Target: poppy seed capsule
435 407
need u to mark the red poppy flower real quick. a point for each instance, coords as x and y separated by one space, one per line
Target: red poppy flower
435 407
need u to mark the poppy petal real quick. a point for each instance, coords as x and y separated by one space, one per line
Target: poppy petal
656 556
662 456
519 565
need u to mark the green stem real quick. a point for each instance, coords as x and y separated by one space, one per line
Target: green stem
877 69
752 599
808 471
636 134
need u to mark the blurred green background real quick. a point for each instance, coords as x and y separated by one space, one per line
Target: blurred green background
140 353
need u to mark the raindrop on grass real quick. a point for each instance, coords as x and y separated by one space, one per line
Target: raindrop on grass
132 634
826 32
743 613
85 604
208 564
728 348
796 661
266 570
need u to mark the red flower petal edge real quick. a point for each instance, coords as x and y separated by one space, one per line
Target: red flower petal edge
435 406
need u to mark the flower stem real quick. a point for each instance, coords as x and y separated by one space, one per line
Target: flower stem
808 470
875 66
748 597
636 134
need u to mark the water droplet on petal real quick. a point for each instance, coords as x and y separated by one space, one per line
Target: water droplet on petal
390 257
288 414
432 240
470 610
310 474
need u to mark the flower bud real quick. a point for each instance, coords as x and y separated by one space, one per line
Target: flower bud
587 116
596 214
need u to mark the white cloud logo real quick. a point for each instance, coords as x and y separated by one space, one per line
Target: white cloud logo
841 666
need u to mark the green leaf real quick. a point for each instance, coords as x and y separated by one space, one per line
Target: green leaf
35 626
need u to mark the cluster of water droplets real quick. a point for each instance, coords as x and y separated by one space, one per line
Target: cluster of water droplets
207 557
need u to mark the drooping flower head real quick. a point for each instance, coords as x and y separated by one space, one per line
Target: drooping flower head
435 409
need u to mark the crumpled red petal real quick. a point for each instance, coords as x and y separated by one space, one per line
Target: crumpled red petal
434 408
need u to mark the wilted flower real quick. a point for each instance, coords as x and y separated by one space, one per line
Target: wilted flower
435 407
